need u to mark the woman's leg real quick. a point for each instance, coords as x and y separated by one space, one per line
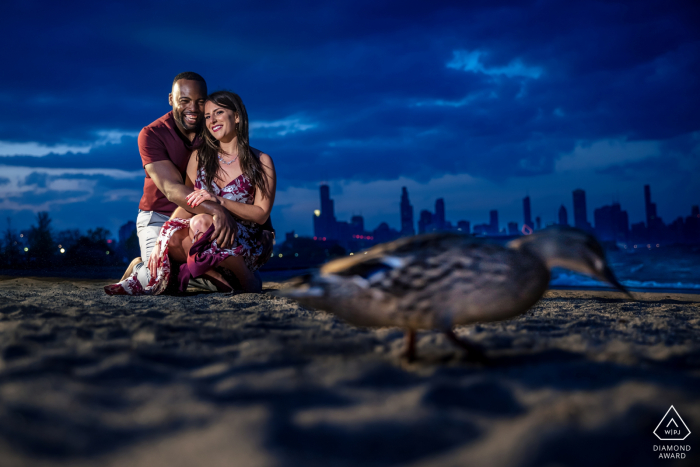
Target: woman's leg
198 226
249 281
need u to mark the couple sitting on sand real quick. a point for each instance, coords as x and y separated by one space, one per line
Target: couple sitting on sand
204 216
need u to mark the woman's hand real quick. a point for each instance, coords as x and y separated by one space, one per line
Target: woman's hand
196 198
153 260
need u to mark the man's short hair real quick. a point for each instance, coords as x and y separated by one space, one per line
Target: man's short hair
190 75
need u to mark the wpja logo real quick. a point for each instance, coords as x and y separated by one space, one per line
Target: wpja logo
672 428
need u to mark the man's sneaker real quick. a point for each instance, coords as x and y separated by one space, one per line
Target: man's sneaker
131 267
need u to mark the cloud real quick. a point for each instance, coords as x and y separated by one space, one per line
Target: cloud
281 127
36 149
471 61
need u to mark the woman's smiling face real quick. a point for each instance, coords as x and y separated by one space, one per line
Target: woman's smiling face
220 121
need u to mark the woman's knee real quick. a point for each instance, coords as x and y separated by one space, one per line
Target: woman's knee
200 224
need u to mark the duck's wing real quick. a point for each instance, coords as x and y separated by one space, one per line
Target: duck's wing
440 279
396 254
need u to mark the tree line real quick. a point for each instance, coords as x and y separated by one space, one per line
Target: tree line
41 247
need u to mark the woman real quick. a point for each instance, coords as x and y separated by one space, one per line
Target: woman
225 170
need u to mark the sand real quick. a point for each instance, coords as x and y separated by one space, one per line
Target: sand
251 380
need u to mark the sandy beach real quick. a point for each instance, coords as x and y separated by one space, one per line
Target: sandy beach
582 379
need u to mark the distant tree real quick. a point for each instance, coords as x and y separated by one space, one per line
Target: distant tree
91 250
42 248
67 238
11 257
98 235
131 245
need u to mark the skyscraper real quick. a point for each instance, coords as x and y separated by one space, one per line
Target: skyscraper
357 225
611 223
580 215
439 219
527 214
425 220
563 218
464 226
493 222
324 220
649 207
407 228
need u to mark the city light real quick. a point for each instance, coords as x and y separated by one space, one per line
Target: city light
26 249
62 250
296 235
317 212
352 254
106 252
296 255
280 255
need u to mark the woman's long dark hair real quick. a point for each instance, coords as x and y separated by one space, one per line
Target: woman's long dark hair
210 147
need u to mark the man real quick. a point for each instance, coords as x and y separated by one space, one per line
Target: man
165 147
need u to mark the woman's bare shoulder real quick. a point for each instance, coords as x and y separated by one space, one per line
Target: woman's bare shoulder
264 157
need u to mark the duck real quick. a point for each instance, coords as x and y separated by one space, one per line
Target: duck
440 280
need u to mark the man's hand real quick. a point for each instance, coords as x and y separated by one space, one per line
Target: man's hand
225 229
268 242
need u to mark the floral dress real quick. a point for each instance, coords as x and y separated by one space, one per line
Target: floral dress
247 244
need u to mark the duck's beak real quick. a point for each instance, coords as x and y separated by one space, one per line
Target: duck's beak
610 277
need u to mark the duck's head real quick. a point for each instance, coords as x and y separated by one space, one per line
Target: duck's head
569 248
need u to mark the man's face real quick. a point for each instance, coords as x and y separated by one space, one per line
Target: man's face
187 100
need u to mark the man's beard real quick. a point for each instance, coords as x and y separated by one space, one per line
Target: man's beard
177 115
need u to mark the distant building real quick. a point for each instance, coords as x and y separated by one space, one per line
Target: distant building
527 215
538 222
611 223
649 207
482 229
464 226
357 225
692 226
425 221
513 228
493 222
324 220
580 213
407 228
384 233
439 219
655 225
563 218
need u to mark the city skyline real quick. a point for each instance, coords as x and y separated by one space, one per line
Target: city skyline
532 98
610 221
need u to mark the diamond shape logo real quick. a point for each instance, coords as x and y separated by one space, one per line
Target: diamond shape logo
672 427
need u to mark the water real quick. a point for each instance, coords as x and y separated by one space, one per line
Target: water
671 268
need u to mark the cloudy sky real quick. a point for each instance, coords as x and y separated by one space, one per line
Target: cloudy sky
478 102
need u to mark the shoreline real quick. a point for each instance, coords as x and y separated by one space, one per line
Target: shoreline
274 279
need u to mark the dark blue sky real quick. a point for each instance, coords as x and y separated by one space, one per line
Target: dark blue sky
477 102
